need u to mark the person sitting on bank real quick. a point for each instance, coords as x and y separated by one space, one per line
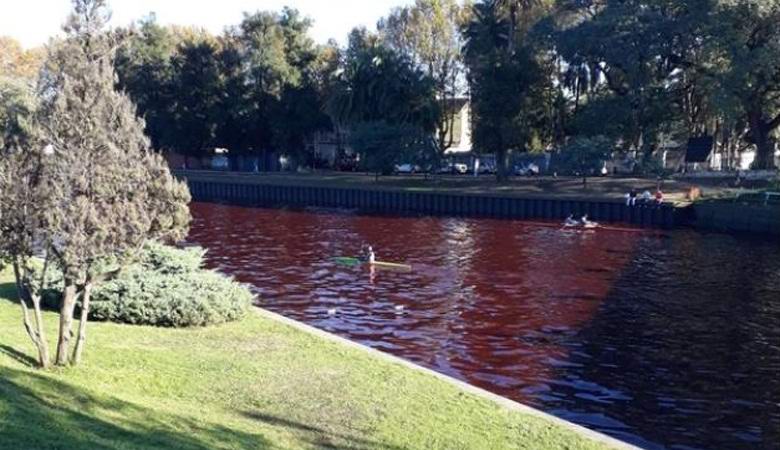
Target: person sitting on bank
647 197
659 196
631 198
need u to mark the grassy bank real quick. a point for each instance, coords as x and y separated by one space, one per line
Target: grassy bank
254 384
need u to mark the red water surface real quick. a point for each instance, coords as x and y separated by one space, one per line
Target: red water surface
487 301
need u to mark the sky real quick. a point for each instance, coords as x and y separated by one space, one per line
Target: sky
32 22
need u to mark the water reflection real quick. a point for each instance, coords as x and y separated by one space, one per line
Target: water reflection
660 340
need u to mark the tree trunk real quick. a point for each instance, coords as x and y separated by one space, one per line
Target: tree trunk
765 153
82 336
36 332
66 323
502 174
760 131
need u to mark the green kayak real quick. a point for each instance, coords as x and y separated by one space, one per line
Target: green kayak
347 261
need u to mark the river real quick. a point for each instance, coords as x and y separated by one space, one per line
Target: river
666 340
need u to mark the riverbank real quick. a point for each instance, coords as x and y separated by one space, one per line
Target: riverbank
446 196
255 384
566 188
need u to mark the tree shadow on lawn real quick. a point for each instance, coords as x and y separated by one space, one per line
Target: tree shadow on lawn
44 413
18 356
8 292
320 437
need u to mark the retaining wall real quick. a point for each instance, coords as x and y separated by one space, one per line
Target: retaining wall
436 203
730 216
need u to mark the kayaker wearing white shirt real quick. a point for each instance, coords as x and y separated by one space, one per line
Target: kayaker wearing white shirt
570 222
587 223
367 254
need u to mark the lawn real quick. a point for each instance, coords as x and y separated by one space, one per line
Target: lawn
253 384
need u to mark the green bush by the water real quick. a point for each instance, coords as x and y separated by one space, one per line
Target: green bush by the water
168 287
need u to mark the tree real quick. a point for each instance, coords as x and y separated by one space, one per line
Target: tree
383 98
382 145
584 156
504 77
379 84
197 88
747 34
109 192
428 33
24 197
625 54
145 72
16 108
15 62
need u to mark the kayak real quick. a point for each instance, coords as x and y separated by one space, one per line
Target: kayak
347 261
353 262
389 265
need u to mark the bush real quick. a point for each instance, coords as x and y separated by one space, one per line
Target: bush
169 288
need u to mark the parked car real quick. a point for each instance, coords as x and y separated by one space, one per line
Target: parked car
461 169
487 169
220 162
407 168
527 170
453 169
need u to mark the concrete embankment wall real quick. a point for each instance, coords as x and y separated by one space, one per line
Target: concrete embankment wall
435 203
729 216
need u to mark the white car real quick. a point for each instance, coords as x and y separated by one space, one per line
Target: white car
407 168
220 162
529 170
461 169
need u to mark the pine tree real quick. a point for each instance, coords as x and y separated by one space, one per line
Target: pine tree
106 191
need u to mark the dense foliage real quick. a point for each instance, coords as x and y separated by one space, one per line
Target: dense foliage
168 287
538 73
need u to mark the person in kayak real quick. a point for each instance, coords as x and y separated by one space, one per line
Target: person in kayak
367 254
587 223
570 222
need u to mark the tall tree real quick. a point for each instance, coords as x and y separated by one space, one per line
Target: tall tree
145 72
24 198
429 33
748 34
16 108
197 88
110 192
504 77
380 84
387 103
15 62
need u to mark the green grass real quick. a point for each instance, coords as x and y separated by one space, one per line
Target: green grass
253 384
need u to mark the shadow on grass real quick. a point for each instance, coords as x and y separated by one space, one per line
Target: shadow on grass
8 292
17 356
44 413
320 437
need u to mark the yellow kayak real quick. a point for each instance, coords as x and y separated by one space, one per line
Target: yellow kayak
389 265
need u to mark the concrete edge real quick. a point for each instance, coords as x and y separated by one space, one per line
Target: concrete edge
479 392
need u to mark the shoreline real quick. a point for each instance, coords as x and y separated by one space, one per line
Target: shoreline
462 385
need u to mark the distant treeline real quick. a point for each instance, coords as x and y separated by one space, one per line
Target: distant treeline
541 74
